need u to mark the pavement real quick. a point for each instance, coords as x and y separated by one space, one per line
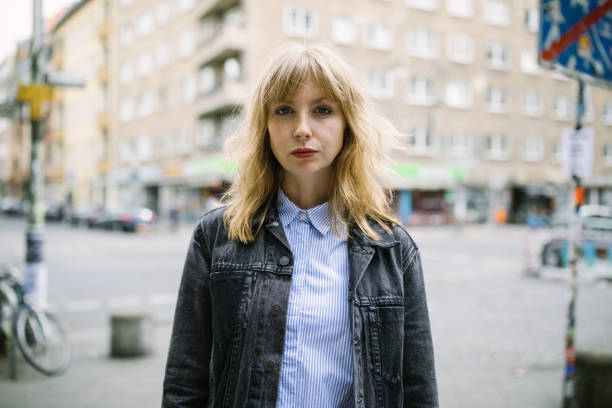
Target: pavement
498 334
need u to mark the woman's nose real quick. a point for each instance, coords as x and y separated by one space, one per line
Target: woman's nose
302 127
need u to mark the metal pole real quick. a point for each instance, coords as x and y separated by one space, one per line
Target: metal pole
36 272
577 199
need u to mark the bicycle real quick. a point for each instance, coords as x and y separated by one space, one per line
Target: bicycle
39 334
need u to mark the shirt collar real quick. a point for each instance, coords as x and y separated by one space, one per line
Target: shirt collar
287 212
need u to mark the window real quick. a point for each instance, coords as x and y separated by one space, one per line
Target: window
228 126
162 55
498 56
126 73
460 143
607 113
378 36
188 89
125 151
497 12
532 103
145 23
344 30
163 98
497 100
186 44
145 64
460 48
420 91
562 108
125 3
300 22
208 29
427 5
420 140
607 154
145 148
496 147
145 103
206 133
232 69
532 19
422 44
208 80
460 8
532 148
380 84
164 145
556 152
529 62
126 34
458 95
163 12
185 5
185 141
126 110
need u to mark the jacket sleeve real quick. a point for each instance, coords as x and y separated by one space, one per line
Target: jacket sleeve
419 378
186 382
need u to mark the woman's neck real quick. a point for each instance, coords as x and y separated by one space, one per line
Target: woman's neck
305 193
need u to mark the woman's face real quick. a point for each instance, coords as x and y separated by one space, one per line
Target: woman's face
306 133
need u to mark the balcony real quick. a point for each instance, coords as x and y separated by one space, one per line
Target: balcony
103 74
104 30
103 120
208 7
225 97
229 41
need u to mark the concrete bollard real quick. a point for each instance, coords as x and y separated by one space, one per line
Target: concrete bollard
593 379
131 334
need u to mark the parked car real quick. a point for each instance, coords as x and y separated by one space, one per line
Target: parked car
54 212
85 216
128 219
11 206
547 248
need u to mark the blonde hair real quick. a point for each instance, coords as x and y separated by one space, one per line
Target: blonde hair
356 191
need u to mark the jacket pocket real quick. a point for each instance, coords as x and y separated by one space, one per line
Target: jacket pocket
230 301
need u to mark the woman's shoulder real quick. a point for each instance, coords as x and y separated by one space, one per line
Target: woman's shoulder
211 220
408 245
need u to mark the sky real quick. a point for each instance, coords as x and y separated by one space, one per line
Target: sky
16 21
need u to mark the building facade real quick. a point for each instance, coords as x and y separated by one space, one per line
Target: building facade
167 80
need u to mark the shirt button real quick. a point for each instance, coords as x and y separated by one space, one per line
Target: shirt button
276 310
283 260
303 216
269 365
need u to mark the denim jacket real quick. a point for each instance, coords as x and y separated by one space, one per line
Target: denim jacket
229 326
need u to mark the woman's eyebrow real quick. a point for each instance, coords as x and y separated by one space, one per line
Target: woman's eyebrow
321 99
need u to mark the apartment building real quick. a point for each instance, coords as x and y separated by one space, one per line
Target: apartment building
459 79
78 140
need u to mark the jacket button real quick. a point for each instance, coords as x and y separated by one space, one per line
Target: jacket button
283 260
276 310
269 365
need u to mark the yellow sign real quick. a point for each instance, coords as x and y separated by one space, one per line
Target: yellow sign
36 95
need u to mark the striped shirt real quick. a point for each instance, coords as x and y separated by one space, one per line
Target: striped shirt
317 366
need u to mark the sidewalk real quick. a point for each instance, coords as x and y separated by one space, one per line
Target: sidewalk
94 380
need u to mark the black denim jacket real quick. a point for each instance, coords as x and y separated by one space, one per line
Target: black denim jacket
229 326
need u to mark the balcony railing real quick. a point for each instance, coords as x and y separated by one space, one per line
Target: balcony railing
228 95
230 40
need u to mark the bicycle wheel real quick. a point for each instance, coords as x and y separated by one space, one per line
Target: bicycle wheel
43 341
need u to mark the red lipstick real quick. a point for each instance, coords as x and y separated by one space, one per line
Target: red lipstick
303 153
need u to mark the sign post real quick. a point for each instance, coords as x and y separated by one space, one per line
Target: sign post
576 38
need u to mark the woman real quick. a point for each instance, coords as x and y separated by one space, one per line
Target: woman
303 291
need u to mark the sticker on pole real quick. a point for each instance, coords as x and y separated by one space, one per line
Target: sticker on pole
577 148
576 38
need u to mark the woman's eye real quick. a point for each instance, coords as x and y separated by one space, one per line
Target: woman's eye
283 110
323 110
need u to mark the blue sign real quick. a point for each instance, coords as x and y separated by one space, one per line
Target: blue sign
576 38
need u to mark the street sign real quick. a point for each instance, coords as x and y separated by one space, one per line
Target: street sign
576 38
7 110
36 95
577 148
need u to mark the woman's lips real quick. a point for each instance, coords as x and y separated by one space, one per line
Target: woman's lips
303 153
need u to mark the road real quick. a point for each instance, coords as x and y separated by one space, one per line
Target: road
498 335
